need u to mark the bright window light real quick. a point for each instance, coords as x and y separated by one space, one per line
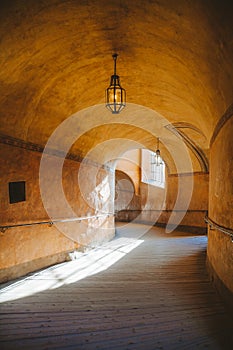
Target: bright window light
153 172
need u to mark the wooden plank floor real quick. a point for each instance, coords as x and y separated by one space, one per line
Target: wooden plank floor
137 292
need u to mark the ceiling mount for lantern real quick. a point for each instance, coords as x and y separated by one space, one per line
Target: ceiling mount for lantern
115 94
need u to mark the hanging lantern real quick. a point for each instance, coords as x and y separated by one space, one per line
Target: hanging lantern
158 159
115 94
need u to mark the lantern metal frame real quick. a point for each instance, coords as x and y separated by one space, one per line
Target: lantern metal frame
158 159
115 95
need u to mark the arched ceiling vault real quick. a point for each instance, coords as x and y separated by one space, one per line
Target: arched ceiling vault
175 57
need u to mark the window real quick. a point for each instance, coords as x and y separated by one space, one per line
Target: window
151 172
17 192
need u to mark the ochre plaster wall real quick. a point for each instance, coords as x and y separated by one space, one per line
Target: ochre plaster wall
130 164
198 206
25 249
125 196
156 204
220 246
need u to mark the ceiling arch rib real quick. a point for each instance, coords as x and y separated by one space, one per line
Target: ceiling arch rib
198 152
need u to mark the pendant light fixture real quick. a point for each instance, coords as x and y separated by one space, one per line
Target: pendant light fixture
115 94
158 159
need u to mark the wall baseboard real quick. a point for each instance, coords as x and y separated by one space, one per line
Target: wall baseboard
199 230
184 228
14 272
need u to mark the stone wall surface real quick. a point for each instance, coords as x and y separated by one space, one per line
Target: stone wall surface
220 246
195 210
27 248
155 204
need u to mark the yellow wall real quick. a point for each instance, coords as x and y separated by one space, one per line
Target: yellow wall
220 246
130 164
24 249
198 206
154 204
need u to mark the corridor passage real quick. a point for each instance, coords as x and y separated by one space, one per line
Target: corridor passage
143 290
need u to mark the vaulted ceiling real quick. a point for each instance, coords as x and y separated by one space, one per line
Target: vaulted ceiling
175 58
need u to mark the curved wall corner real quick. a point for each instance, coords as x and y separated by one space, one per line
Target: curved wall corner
220 245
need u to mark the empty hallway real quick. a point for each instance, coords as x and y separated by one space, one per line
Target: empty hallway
142 290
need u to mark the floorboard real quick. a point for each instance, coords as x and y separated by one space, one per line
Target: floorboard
140 291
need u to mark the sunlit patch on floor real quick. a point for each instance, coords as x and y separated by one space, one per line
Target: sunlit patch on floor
81 266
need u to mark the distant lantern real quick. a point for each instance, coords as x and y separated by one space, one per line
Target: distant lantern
158 159
115 94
